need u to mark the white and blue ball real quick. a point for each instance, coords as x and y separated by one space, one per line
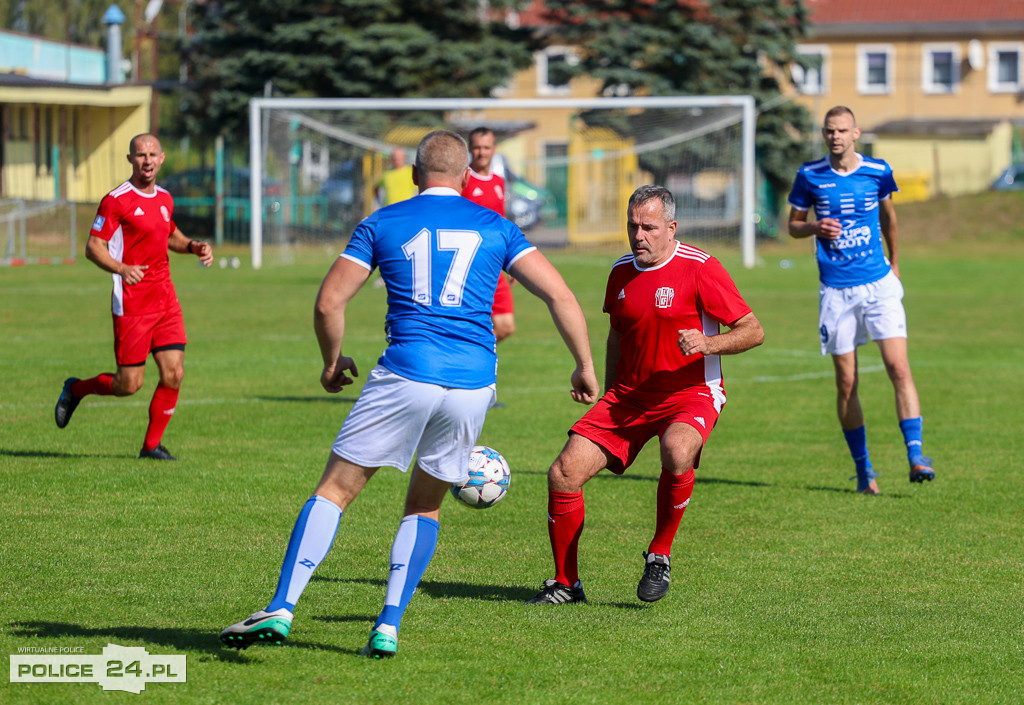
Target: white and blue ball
488 481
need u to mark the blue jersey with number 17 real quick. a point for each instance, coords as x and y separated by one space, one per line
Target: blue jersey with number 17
857 256
439 255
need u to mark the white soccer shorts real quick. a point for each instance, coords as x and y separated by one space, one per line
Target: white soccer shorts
847 316
396 419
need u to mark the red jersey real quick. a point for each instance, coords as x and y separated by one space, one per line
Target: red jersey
137 227
648 308
487 191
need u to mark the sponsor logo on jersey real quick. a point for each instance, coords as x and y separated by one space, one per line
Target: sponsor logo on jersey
139 211
478 192
98 223
165 214
825 185
663 296
622 294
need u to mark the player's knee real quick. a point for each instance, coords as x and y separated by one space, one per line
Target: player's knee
561 477
172 377
125 386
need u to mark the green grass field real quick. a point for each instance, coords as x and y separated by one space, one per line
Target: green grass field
787 586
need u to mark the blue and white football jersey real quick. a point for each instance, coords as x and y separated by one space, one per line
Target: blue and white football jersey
440 256
857 256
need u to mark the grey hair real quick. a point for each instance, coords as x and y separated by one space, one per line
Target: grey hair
649 192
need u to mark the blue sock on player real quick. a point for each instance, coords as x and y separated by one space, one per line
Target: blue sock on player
310 541
410 555
912 436
857 441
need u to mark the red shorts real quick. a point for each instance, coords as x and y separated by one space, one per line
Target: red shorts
622 427
503 297
137 336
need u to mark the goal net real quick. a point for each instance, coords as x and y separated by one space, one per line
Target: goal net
569 165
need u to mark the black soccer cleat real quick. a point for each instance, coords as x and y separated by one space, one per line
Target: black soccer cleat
654 583
66 403
158 453
556 593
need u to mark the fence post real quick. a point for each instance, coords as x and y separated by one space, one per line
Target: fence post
218 223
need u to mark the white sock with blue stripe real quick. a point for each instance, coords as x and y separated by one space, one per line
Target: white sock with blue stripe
309 544
410 555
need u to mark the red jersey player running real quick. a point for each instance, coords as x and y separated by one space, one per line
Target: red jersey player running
487 189
663 377
130 237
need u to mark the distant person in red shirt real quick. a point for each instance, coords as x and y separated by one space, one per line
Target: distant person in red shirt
487 189
663 377
130 238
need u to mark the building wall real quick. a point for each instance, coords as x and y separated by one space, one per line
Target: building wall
90 129
932 166
907 98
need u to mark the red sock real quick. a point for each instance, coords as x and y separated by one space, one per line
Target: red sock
673 495
160 411
565 524
100 384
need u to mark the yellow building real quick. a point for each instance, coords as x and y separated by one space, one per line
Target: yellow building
936 86
65 127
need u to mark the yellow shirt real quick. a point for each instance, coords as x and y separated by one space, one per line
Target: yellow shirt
397 185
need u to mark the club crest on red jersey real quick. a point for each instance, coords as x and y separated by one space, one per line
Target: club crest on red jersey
663 296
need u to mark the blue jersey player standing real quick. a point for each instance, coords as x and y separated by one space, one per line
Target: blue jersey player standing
861 294
439 256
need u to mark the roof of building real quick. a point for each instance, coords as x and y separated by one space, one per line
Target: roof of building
937 128
914 16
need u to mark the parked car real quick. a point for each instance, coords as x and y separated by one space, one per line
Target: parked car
1012 179
195 198
525 204
200 183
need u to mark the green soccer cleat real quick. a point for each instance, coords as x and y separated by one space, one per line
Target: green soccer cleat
383 642
260 628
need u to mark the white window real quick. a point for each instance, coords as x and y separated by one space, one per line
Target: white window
553 69
810 79
875 68
940 68
1004 67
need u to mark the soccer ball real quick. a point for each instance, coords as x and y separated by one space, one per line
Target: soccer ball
488 481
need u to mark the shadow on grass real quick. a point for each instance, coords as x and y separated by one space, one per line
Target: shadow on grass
204 641
847 490
448 590
56 454
333 399
608 475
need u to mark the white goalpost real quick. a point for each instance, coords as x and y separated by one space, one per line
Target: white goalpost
569 164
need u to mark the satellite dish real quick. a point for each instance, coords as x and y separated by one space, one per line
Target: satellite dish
975 55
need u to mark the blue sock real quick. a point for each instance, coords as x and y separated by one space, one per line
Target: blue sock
912 437
310 541
410 555
857 441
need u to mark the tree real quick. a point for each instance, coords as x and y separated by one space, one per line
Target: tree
340 48
697 47
76 21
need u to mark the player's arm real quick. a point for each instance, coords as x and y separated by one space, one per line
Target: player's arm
177 242
97 251
613 353
743 334
887 223
339 286
799 227
542 280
